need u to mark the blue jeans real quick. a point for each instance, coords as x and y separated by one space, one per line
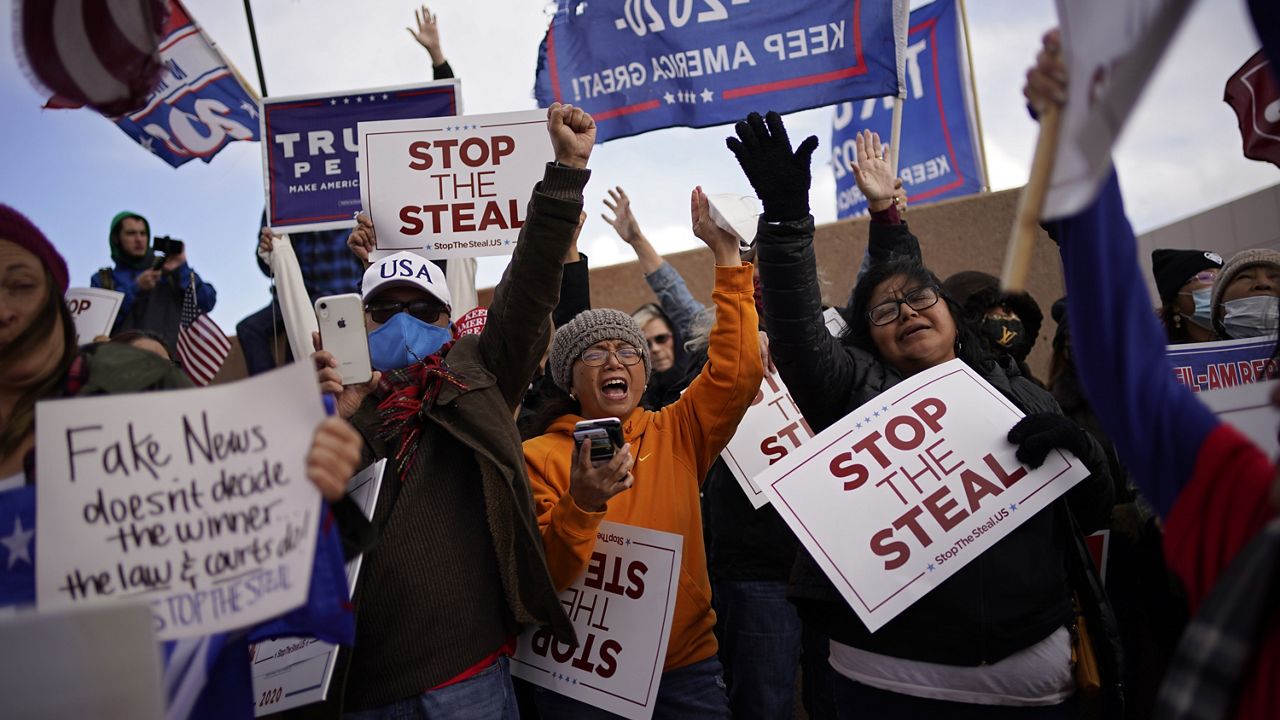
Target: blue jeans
855 701
257 336
759 633
485 696
692 692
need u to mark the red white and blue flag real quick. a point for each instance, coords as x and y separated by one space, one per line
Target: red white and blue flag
202 346
199 105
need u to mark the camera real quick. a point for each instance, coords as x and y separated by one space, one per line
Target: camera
167 245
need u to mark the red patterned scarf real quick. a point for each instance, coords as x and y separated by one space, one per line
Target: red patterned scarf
409 392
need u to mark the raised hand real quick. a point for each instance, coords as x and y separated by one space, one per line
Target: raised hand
872 171
592 487
573 134
723 244
428 34
625 222
362 239
1047 79
780 177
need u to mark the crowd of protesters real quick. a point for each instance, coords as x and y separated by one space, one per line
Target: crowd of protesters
491 510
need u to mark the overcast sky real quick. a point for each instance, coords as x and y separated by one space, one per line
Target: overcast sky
70 171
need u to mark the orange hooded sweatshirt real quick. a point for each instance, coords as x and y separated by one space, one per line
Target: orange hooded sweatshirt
673 448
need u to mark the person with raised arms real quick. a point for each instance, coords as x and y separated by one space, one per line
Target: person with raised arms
454 566
994 637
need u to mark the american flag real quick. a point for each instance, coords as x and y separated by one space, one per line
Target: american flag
202 346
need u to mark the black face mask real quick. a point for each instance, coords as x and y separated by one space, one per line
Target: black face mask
1006 335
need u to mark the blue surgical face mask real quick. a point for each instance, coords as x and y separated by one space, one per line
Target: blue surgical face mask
404 340
1251 316
1203 315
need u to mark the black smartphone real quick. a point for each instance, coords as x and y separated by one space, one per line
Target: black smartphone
167 245
606 438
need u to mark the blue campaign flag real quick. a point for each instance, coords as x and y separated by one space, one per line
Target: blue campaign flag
938 155
641 65
1225 363
199 106
311 143
18 547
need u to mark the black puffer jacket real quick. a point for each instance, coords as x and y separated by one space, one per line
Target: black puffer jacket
1013 595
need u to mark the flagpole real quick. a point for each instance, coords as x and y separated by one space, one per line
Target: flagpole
895 134
973 91
1026 221
253 39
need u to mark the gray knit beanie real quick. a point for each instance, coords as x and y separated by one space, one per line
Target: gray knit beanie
1238 262
587 329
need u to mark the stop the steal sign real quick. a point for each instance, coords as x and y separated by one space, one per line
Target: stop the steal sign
909 488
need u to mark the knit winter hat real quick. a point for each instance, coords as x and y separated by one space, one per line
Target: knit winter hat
586 329
1172 268
1238 262
16 228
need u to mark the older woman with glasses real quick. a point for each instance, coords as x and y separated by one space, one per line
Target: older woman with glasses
600 362
995 633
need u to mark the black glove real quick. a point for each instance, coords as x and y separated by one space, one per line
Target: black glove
779 176
1036 435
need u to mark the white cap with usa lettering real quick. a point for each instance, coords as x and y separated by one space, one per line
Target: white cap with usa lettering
405 269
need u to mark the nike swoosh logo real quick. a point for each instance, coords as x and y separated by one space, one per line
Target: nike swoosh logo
644 457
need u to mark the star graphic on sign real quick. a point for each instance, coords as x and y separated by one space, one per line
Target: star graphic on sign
372 98
249 108
333 102
931 568
1013 506
145 141
384 96
884 408
707 95
18 544
857 426
669 98
866 420
346 101
359 98
875 413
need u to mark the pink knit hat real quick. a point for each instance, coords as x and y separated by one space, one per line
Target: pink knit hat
16 228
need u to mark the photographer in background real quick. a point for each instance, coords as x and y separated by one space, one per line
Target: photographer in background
154 278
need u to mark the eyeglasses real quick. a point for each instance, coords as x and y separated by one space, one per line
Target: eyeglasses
1204 276
595 357
660 339
920 298
425 310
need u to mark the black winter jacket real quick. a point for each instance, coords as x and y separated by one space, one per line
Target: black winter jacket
1010 597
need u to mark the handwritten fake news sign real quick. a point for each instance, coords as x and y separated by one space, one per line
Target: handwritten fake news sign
195 501
452 187
621 608
909 488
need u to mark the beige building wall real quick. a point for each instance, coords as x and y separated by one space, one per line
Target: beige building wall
1249 222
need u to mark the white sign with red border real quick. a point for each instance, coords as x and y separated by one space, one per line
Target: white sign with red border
452 187
621 608
903 492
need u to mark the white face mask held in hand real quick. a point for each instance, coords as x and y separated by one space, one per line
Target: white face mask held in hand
1251 316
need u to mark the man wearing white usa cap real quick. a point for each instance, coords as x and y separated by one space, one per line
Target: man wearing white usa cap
453 562
406 310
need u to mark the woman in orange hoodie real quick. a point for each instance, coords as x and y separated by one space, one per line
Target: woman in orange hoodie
600 363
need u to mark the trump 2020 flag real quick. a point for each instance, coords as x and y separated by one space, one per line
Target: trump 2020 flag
640 65
939 152
199 104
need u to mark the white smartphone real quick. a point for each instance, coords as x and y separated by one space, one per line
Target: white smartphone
341 320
